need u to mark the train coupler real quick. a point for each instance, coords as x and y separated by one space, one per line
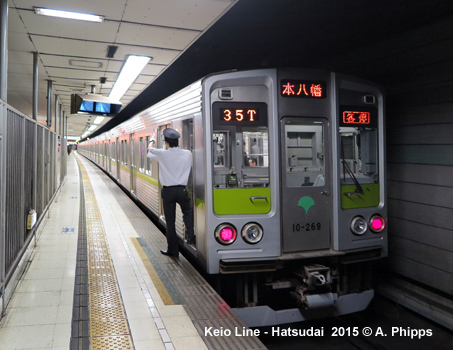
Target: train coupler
316 276
315 290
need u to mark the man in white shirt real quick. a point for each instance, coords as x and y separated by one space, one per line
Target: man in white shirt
174 170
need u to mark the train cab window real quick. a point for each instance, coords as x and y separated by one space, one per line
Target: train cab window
240 143
304 156
241 158
358 147
255 162
358 156
255 145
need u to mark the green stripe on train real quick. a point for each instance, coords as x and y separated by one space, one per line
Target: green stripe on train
138 174
369 197
230 201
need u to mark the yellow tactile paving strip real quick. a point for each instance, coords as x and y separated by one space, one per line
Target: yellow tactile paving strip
109 328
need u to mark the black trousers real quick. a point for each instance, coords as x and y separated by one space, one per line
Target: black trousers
170 196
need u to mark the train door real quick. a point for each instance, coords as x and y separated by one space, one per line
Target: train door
187 143
132 162
160 144
305 184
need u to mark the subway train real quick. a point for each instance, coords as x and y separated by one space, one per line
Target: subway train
288 186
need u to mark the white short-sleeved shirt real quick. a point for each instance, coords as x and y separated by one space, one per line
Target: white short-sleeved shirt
174 165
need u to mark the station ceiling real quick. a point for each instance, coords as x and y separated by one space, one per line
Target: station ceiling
189 39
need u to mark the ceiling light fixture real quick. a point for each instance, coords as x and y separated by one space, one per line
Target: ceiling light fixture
85 64
130 71
68 14
98 120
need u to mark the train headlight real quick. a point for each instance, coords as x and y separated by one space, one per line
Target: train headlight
377 223
252 233
225 234
359 225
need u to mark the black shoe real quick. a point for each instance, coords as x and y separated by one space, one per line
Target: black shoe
191 241
165 252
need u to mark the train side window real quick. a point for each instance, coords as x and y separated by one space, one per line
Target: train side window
124 151
117 154
112 151
147 160
120 154
141 148
304 154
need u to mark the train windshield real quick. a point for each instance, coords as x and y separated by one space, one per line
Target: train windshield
359 156
241 157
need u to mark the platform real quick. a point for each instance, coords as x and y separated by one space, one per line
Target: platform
96 280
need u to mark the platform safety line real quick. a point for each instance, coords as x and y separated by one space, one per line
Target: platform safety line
152 307
163 292
109 328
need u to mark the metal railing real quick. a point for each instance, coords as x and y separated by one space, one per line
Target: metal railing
24 188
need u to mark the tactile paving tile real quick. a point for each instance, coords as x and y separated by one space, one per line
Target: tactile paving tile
109 327
101 279
122 342
106 312
105 299
103 288
95 270
101 264
94 258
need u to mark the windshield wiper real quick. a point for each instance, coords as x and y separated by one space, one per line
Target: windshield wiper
358 187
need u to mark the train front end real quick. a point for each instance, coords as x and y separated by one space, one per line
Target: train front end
291 200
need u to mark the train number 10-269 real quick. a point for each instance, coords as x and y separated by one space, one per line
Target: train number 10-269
313 226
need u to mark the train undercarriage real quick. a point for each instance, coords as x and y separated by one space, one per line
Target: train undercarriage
291 289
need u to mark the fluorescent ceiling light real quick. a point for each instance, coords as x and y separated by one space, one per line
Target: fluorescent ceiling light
98 120
129 72
67 14
92 127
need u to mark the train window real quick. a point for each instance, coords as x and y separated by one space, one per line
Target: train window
147 160
255 163
255 144
142 153
120 152
358 155
220 155
112 151
124 151
304 154
241 157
